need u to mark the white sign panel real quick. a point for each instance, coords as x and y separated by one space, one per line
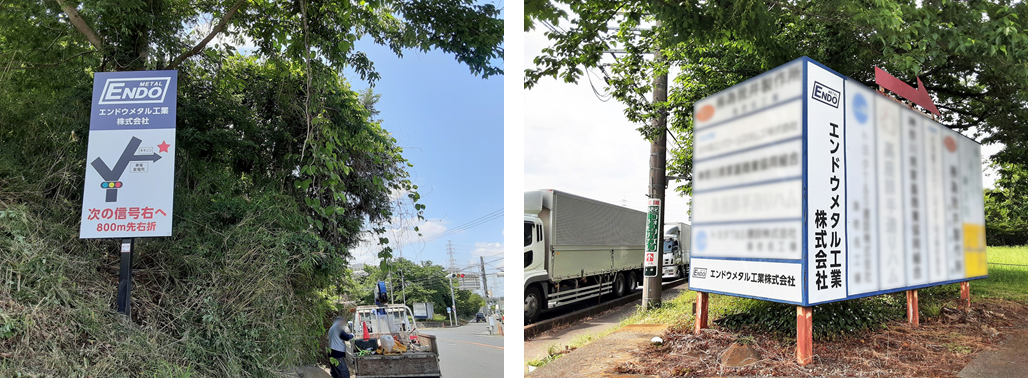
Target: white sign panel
776 200
826 186
935 206
974 209
914 199
766 280
130 161
890 200
861 194
762 240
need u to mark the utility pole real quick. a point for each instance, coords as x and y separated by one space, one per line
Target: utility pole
453 301
658 179
485 287
389 282
403 287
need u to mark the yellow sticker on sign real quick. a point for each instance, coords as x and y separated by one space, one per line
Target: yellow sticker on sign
974 250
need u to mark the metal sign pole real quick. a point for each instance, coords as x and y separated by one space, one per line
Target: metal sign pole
125 280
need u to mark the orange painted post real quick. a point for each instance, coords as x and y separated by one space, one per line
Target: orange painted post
965 295
701 311
804 335
912 313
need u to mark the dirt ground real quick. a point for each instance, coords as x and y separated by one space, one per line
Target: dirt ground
940 347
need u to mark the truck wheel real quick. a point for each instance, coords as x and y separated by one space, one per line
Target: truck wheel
619 285
533 303
632 282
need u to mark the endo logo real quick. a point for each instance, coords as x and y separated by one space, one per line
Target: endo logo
699 273
825 94
144 90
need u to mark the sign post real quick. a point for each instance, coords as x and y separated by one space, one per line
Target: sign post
130 171
125 277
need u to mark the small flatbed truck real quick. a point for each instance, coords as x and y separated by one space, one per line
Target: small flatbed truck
370 359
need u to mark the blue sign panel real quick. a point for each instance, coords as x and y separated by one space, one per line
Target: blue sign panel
134 100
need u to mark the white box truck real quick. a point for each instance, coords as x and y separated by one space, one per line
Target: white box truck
677 243
577 248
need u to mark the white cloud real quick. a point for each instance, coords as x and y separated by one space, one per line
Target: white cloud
490 252
492 255
402 238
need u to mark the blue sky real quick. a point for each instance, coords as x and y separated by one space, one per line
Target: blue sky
450 125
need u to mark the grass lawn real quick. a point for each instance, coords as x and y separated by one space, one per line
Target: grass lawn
1008 275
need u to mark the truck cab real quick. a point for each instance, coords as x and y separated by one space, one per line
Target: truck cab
672 259
535 267
676 250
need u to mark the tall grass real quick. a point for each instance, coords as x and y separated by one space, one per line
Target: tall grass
234 293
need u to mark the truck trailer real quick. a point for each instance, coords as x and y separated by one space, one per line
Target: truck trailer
578 249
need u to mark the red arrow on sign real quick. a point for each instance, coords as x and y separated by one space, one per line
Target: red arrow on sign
917 95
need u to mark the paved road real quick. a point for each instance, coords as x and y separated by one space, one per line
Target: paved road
468 351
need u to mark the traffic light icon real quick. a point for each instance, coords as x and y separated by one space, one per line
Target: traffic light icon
456 275
111 184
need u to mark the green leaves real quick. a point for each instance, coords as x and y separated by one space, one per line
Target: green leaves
972 56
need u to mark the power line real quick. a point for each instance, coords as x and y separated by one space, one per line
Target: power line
498 214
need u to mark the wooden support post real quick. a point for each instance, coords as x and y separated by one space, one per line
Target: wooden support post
965 295
804 335
912 309
701 311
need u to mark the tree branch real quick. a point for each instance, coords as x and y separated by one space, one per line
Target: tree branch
25 67
217 29
80 24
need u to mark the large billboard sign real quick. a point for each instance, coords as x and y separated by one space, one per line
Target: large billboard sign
810 188
130 161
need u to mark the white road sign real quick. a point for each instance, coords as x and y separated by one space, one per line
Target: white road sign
130 162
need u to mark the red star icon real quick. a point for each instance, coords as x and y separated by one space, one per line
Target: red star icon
163 146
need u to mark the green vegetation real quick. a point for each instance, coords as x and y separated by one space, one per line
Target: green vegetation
1006 207
424 282
971 55
552 353
1010 281
281 169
